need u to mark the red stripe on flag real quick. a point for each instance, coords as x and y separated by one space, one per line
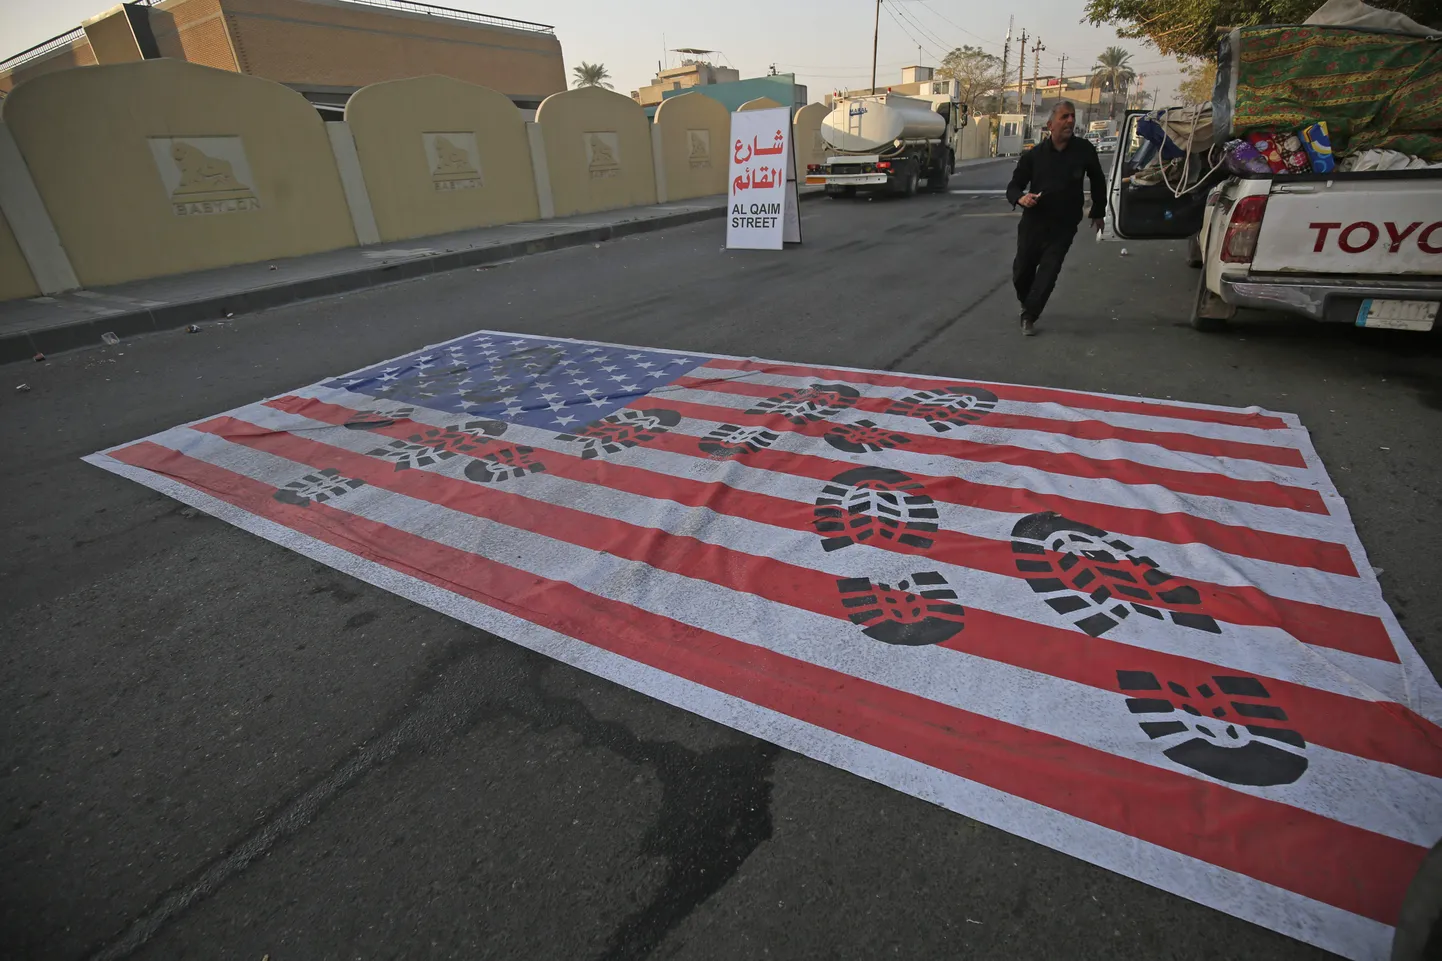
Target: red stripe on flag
1030 395
1338 864
1263 493
1361 634
1080 429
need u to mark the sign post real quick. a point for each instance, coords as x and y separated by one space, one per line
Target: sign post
762 203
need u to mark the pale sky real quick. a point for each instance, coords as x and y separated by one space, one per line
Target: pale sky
827 45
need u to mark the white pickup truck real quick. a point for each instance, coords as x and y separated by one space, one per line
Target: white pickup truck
1356 248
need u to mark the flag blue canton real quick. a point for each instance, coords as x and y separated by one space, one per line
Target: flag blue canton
522 380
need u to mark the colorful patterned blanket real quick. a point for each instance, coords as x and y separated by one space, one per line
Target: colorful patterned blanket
1374 89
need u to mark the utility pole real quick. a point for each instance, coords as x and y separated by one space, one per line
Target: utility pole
1063 71
875 38
1035 74
1005 56
1001 94
1021 70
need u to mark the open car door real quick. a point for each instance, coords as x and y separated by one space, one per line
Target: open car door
1150 211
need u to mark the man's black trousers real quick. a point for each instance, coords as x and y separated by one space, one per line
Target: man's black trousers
1041 246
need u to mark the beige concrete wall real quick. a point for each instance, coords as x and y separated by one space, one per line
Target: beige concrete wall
319 42
760 103
441 155
694 133
806 126
111 38
15 278
76 54
598 148
162 167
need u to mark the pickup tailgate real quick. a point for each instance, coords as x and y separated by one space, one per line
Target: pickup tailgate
1352 225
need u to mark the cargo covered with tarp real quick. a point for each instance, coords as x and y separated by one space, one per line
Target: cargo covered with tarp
1374 88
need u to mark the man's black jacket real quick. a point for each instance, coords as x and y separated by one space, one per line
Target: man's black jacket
1057 176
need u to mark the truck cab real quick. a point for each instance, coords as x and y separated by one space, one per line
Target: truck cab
1359 248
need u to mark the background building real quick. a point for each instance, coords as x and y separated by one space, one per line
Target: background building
695 71
325 49
781 87
1034 100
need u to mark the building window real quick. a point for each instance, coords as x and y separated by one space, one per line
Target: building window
941 86
1008 129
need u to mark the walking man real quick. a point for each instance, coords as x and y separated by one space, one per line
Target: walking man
1048 183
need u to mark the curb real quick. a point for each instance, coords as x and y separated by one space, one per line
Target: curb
24 345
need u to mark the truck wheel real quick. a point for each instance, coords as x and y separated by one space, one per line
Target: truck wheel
911 183
1205 310
1194 250
939 179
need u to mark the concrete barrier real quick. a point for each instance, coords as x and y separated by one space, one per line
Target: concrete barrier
161 167
760 103
15 278
441 155
598 151
694 131
976 138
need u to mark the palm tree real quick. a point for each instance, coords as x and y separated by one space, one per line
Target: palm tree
592 75
1112 73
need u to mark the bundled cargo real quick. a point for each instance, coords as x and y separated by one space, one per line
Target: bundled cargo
1351 79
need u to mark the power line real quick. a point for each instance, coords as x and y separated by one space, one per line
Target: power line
929 37
958 26
931 34
837 66
908 33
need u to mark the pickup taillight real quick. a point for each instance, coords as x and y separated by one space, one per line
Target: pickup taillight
1240 242
814 168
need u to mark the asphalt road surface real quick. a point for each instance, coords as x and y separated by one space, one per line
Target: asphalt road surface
216 748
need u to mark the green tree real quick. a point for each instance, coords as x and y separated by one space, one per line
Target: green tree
1189 28
592 75
1198 79
977 76
1112 73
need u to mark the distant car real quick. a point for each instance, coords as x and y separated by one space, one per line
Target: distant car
1106 144
1027 144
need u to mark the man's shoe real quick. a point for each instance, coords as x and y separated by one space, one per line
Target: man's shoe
1028 326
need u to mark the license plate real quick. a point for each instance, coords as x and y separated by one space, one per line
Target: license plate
1398 314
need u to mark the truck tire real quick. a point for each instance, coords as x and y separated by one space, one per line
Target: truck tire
939 179
912 181
1203 309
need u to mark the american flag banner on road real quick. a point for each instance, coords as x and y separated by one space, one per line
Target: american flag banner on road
1140 632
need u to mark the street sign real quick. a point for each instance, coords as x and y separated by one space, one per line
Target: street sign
762 208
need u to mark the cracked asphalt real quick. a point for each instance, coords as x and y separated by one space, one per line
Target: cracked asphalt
215 748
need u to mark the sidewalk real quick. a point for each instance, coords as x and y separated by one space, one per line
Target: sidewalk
78 318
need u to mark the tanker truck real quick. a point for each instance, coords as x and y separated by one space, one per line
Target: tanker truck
888 142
